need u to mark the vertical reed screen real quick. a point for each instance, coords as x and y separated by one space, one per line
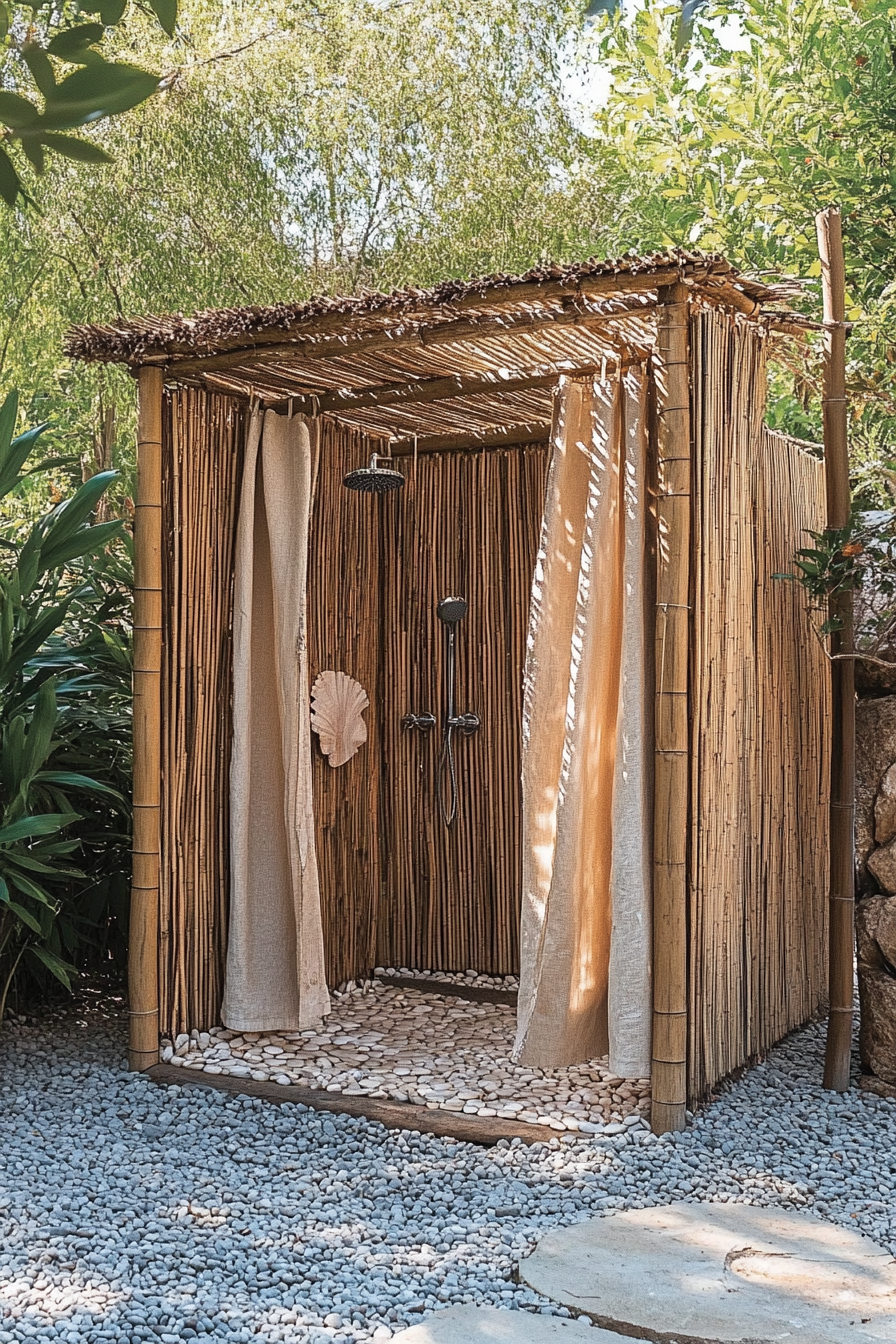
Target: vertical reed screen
204 438
465 524
760 721
345 635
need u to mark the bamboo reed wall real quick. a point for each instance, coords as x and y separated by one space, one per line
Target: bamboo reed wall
396 886
465 524
760 721
345 634
203 443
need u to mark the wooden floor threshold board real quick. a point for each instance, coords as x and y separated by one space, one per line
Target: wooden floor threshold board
475 993
392 1114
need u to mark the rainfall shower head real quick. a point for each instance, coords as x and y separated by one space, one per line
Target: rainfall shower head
374 480
451 610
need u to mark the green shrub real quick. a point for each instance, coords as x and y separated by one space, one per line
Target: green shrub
64 730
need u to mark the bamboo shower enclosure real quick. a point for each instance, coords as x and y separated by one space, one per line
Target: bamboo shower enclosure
460 384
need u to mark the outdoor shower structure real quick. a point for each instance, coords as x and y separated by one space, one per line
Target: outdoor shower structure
606 767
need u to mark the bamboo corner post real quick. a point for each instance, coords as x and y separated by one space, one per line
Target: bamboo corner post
671 743
143 955
843 698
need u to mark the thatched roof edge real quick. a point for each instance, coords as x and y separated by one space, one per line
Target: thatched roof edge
136 340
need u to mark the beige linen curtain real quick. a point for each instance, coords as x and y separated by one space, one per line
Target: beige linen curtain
275 978
586 738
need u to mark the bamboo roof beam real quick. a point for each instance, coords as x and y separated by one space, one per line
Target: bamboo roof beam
445 443
424 391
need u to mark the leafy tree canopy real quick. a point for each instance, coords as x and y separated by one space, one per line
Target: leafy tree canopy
775 109
304 145
296 146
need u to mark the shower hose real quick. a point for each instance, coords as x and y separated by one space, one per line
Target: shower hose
447 806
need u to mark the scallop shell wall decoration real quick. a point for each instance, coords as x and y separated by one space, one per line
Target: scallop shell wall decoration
336 704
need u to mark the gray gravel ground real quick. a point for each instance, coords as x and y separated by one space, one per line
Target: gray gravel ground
134 1212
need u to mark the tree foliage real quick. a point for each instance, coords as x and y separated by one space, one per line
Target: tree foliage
299 146
774 110
56 80
307 145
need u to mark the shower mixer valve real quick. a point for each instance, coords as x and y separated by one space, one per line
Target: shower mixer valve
422 721
464 723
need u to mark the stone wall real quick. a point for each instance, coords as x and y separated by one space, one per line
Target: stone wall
876 794
876 864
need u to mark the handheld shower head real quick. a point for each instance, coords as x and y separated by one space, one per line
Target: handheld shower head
451 610
374 480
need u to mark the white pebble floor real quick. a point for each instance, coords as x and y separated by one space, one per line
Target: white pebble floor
427 1048
130 1211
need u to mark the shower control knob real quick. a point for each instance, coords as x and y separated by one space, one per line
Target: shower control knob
422 721
465 723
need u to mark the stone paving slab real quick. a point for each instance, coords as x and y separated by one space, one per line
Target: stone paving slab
486 1325
720 1274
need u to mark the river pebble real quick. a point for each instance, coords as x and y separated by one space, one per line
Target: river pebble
445 1053
130 1211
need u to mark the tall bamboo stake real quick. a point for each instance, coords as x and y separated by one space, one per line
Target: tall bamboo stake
843 728
673 505
143 955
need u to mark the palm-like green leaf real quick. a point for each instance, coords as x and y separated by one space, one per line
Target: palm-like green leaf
28 827
64 685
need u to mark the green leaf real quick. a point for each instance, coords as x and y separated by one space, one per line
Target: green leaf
16 454
39 631
41 68
842 87
12 757
62 535
33 151
75 781
100 89
8 415
16 111
82 150
60 969
25 916
27 827
29 888
10 182
14 859
72 43
112 12
166 13
40 729
86 541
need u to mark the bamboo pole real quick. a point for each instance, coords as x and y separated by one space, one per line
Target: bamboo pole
143 954
843 728
515 436
673 448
